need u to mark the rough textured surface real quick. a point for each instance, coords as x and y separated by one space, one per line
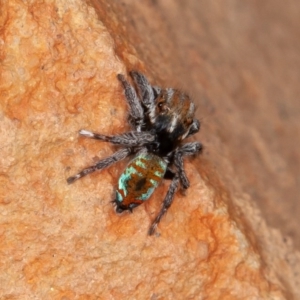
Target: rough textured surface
58 71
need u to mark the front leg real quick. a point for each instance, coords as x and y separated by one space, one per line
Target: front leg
185 150
195 127
147 92
136 111
131 139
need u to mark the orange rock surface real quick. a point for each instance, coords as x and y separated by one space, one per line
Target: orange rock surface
59 61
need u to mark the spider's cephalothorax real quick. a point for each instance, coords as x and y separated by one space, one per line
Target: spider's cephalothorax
161 120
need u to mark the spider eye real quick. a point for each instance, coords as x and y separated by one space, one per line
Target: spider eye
163 108
189 121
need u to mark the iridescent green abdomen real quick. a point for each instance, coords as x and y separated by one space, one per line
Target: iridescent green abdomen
138 181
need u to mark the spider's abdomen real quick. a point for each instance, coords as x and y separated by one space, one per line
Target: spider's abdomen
138 181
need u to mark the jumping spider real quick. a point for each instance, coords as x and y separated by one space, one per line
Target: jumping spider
161 119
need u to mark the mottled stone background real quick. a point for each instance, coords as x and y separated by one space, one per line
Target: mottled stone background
234 235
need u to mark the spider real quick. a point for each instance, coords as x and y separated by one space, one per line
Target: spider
161 119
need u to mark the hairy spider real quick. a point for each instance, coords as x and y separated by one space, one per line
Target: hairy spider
161 119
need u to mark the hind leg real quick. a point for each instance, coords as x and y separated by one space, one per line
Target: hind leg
166 204
103 163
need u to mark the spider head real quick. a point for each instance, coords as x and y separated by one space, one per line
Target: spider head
172 114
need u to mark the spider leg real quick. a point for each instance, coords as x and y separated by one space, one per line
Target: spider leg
131 139
156 91
147 92
195 127
169 175
178 162
166 204
136 111
185 150
103 163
